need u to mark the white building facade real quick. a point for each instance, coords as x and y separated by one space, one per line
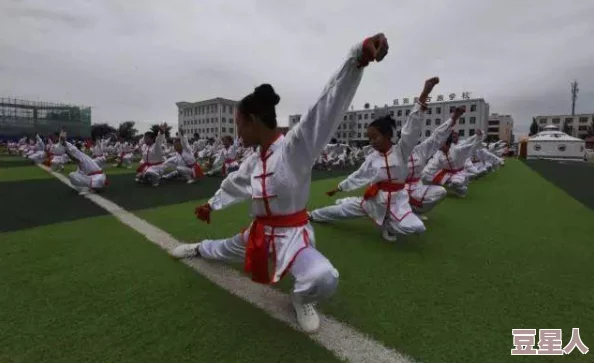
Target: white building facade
212 118
500 127
576 125
355 122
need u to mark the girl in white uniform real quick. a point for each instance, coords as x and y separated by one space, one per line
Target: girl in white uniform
446 168
38 153
277 179
385 171
185 162
151 168
89 176
226 160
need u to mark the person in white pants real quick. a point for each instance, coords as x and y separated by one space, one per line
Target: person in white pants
277 180
152 166
386 200
89 176
424 197
184 162
446 167
38 154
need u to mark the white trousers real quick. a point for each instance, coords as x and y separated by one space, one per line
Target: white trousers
425 197
181 170
82 181
315 277
100 160
350 207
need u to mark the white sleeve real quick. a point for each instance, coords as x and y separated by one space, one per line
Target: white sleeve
433 166
436 140
359 178
186 144
306 140
236 187
411 132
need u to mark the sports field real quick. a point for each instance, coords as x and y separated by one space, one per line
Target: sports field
78 285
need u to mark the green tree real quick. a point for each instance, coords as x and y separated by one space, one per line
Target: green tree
101 130
533 127
166 129
127 131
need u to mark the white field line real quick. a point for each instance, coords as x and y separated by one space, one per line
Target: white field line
345 342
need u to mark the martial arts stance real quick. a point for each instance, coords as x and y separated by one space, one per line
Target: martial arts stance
277 180
226 160
151 167
38 153
424 197
89 176
446 168
185 162
385 171
56 155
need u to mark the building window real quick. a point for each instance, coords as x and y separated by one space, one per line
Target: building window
462 121
438 110
392 113
427 133
473 120
366 116
569 120
358 126
428 122
359 116
556 120
461 132
407 112
398 123
365 125
429 111
452 108
583 128
438 121
583 120
472 108
344 118
493 129
351 116
231 129
471 132
399 113
224 119
359 135
494 123
223 129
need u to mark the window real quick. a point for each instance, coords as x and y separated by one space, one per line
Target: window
471 132
231 129
437 121
398 123
493 129
399 113
473 120
461 132
452 108
365 125
583 120
428 122
372 115
224 119
427 133
555 121
473 108
344 134
494 123
583 128
359 135
223 129
392 113
344 118
407 112
359 116
366 116
438 110
462 121
358 126
569 120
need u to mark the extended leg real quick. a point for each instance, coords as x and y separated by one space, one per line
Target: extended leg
345 208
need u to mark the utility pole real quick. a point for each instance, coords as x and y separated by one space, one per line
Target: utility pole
574 93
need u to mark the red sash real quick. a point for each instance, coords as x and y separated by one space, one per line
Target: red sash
99 172
142 167
373 189
48 161
256 257
227 161
196 170
441 174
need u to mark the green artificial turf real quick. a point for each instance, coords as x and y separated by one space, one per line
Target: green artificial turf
516 253
96 291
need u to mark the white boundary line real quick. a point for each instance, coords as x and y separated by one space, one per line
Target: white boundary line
345 342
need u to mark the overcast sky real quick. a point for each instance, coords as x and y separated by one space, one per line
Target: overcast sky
132 60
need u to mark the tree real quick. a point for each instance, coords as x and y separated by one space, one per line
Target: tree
99 131
533 127
157 127
127 131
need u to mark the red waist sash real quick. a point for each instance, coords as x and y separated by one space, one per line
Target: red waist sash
373 189
442 173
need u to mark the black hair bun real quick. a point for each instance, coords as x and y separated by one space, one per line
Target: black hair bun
265 93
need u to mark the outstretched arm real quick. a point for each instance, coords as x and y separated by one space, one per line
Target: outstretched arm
359 178
439 136
307 139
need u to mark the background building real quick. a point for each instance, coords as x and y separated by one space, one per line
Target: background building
500 127
576 125
353 127
20 117
209 118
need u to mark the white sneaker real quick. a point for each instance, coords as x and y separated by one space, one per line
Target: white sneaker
191 181
388 236
186 250
307 316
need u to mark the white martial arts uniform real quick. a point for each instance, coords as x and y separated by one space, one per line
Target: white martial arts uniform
38 154
225 162
423 197
89 175
447 169
152 166
57 156
185 163
99 152
386 201
278 182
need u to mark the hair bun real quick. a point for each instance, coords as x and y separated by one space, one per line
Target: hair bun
266 94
